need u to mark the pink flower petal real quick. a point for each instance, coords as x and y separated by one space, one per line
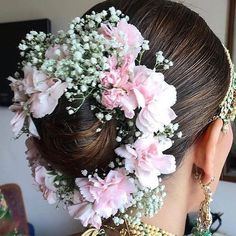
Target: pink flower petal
57 52
17 122
85 213
146 160
44 103
32 128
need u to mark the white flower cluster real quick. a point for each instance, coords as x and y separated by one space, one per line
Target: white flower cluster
146 202
33 48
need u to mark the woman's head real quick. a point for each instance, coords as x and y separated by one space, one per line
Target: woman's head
104 105
200 74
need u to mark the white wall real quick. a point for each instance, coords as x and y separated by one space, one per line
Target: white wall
13 168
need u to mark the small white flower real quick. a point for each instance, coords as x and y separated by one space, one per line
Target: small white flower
112 10
166 67
92 107
86 46
37 48
111 165
160 58
71 112
78 69
33 32
83 88
29 37
91 24
180 134
22 47
35 60
118 139
84 172
175 126
98 19
108 117
70 32
106 66
99 115
145 47
98 130
86 38
118 12
93 61
171 63
77 55
98 98
77 20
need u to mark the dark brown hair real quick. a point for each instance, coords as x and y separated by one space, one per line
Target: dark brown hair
200 75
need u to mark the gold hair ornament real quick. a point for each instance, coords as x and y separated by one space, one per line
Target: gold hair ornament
228 105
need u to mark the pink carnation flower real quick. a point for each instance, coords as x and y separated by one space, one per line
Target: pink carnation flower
126 34
111 98
83 211
46 184
116 97
109 194
34 80
18 88
32 154
153 117
146 160
57 52
155 97
43 103
17 122
118 76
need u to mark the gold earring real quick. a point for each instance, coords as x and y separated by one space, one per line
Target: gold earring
204 219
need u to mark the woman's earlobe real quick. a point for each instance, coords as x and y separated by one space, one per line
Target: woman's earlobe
205 150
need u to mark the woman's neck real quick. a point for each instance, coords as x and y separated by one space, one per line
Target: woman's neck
172 216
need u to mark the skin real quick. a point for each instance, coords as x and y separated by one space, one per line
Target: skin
184 193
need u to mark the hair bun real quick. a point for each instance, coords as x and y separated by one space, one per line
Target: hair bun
72 143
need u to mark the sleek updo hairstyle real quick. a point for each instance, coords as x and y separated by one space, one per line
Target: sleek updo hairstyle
200 74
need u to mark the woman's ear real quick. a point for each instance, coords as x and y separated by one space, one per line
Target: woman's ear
205 152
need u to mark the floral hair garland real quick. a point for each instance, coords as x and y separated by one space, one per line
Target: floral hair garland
100 57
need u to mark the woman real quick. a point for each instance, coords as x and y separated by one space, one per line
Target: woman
104 143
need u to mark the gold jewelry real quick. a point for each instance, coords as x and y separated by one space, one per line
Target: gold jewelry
130 230
228 105
144 230
94 232
204 219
